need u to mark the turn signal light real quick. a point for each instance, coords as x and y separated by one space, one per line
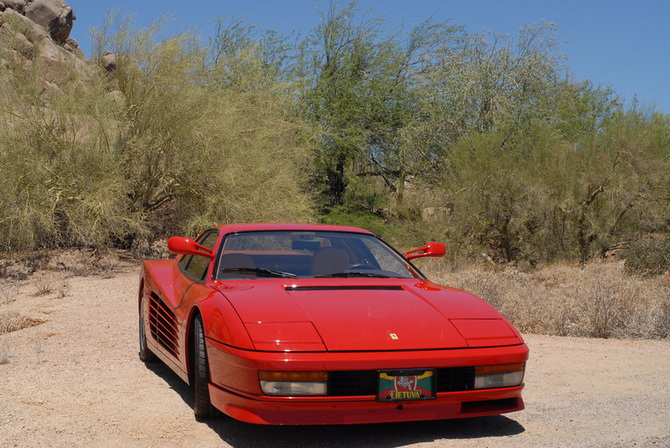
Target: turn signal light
502 375
290 384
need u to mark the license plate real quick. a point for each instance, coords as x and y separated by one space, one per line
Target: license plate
406 385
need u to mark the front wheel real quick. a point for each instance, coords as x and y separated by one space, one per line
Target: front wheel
146 355
202 407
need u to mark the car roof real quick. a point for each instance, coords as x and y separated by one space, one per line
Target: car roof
228 228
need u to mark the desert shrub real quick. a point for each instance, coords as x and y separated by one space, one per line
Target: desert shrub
251 165
542 193
158 148
198 151
13 321
597 300
661 316
603 304
62 184
5 355
49 282
9 289
647 258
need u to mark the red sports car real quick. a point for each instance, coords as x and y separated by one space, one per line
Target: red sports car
321 324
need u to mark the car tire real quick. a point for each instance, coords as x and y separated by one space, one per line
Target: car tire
146 355
202 407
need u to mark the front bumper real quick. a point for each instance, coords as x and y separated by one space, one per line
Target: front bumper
235 389
446 406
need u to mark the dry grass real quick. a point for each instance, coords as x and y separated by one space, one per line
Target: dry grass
13 321
9 289
48 270
50 282
599 300
5 355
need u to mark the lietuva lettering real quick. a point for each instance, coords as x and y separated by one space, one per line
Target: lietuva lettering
405 394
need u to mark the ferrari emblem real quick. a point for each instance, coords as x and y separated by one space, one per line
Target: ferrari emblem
394 336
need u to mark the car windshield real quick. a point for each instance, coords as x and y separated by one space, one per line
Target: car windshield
300 254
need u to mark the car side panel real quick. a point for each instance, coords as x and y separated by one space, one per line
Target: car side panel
164 287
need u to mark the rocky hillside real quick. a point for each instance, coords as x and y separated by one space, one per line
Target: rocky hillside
35 35
55 16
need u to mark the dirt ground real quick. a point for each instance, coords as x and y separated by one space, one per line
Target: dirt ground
76 381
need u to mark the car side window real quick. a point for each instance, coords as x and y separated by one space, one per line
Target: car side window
184 261
196 266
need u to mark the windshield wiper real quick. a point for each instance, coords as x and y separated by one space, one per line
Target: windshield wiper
261 271
352 274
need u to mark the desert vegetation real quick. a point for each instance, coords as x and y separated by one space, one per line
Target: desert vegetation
597 300
484 141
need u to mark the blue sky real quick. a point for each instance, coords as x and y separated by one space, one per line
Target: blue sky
622 44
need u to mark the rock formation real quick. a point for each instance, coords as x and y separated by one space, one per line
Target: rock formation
39 17
109 62
55 16
35 40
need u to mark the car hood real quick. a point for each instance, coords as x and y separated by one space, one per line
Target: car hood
365 315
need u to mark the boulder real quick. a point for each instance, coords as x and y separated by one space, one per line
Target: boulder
109 62
16 5
19 41
33 31
55 16
72 46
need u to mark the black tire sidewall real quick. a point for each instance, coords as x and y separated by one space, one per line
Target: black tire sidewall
146 355
202 406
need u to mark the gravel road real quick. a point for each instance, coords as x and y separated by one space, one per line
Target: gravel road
76 381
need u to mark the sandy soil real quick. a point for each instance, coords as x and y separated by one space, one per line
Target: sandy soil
76 380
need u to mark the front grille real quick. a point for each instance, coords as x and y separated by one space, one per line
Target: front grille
352 383
455 379
364 382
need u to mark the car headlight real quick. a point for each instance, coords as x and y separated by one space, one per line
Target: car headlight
502 375
293 383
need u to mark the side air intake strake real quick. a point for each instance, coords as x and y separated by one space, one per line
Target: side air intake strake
163 325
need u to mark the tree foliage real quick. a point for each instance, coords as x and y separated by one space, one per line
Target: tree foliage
363 94
545 197
426 131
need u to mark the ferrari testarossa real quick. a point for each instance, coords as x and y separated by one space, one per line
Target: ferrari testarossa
321 324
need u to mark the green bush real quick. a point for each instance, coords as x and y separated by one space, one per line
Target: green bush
159 148
647 258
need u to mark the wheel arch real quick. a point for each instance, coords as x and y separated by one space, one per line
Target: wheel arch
220 322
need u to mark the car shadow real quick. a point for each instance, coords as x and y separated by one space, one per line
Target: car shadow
173 381
381 435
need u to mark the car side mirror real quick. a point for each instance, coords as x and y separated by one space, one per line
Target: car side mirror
186 246
435 250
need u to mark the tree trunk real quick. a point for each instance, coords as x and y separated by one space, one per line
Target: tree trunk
336 182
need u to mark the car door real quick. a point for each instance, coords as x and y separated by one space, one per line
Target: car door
189 286
168 318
